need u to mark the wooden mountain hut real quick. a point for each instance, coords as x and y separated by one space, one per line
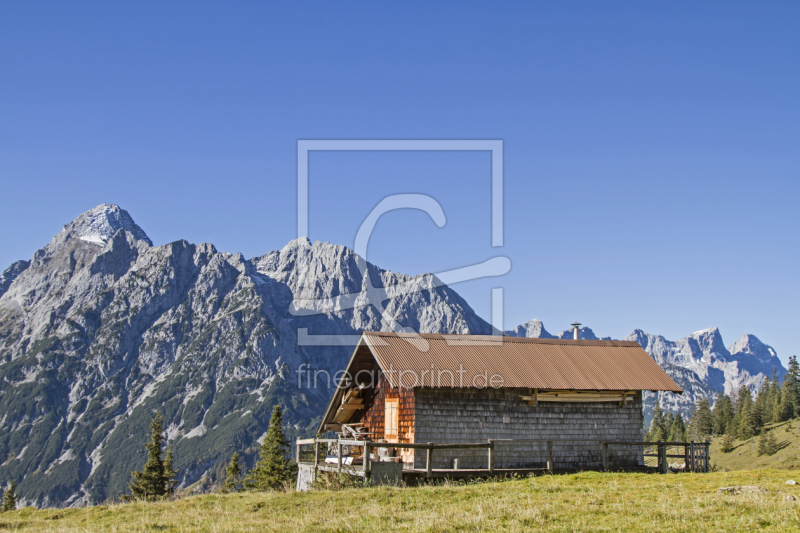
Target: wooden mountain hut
456 389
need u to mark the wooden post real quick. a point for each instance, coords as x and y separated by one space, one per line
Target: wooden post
658 457
491 457
692 457
686 467
339 458
550 464
605 456
429 461
297 457
316 455
365 460
705 456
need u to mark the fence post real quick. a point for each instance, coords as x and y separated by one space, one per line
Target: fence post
686 467
339 458
692 456
316 455
705 456
605 456
365 460
429 461
491 456
550 464
299 448
663 466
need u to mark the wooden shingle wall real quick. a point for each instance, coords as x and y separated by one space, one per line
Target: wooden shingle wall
374 417
445 415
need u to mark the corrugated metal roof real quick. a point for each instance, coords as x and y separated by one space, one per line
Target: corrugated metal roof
417 360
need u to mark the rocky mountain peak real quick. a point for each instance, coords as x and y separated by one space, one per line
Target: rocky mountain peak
710 342
98 225
532 328
749 349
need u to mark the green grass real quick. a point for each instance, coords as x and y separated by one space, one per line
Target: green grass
744 455
590 501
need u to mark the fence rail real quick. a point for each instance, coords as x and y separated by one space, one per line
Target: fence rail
695 454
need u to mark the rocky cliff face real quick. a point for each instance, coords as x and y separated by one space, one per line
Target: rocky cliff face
102 328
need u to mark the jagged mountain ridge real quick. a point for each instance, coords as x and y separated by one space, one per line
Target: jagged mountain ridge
699 363
535 328
102 328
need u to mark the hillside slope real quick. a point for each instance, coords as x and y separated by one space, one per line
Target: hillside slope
744 455
589 501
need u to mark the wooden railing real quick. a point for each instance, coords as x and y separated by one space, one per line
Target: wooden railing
695 454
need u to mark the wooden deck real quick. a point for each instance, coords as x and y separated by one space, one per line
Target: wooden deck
695 456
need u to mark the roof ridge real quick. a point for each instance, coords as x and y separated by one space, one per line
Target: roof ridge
504 338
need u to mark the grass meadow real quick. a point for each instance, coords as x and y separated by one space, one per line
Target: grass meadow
589 501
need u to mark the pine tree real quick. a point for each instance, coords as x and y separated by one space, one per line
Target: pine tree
170 473
772 444
701 423
775 398
233 471
791 389
273 467
727 443
762 444
668 421
723 414
658 428
786 408
761 405
10 497
677 432
156 478
744 420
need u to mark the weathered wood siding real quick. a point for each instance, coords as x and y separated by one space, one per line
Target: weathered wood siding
444 415
374 417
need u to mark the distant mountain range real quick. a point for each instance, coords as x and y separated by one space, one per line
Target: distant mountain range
699 363
101 328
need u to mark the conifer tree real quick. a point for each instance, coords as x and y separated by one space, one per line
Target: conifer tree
10 497
772 444
790 393
170 473
658 428
701 424
744 414
727 443
677 432
762 444
232 473
774 398
273 467
723 414
156 478
785 409
761 405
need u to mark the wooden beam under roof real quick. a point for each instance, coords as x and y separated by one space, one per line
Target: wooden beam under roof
577 396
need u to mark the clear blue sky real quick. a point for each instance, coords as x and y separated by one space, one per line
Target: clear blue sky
652 150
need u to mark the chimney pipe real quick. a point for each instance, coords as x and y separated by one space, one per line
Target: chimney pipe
576 334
